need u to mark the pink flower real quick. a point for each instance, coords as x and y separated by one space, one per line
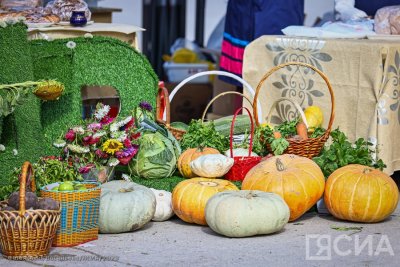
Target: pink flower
94 126
106 120
101 154
135 135
87 168
70 135
127 143
89 140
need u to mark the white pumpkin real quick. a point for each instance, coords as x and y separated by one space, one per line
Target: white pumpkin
164 205
246 213
240 152
125 206
211 165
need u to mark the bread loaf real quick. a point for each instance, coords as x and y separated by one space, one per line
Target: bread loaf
387 20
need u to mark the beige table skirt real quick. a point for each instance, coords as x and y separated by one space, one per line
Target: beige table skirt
364 74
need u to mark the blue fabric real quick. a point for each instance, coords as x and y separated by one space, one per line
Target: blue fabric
371 6
247 20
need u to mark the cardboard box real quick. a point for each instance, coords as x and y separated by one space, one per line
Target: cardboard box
190 101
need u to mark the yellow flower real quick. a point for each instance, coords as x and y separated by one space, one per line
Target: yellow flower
111 146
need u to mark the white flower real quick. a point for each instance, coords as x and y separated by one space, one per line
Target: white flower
113 162
59 143
88 35
114 127
119 135
99 134
126 177
15 152
78 130
78 149
71 44
102 112
2 148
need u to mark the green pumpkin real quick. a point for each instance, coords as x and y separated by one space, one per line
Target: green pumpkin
125 207
246 213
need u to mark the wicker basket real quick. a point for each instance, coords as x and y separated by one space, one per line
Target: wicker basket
27 234
79 214
310 147
164 99
242 164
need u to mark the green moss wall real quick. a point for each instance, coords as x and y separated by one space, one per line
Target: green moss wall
92 61
22 129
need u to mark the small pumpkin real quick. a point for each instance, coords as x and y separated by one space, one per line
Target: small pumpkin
188 156
164 205
255 213
298 180
211 166
361 194
125 206
189 197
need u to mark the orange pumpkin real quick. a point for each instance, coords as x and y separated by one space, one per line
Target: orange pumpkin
188 156
361 194
189 197
298 180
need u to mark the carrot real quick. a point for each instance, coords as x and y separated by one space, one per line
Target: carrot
301 130
277 135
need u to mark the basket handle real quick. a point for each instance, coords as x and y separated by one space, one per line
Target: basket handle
26 175
299 109
270 72
251 130
218 96
163 106
246 85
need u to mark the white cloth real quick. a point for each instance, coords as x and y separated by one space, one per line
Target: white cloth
347 11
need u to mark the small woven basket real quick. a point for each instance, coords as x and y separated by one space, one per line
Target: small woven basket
79 214
27 234
310 147
242 164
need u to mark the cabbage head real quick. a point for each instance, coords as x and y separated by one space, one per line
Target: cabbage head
157 156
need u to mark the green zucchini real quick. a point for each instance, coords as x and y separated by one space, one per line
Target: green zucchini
179 125
242 125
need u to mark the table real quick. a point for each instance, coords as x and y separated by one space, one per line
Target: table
124 32
103 14
365 76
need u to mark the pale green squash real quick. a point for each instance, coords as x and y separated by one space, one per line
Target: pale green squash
246 213
125 206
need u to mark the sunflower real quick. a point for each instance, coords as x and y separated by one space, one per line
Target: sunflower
111 146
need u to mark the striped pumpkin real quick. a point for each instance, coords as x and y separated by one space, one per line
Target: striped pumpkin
298 180
361 194
189 197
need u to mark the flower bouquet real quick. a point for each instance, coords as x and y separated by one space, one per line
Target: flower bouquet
98 145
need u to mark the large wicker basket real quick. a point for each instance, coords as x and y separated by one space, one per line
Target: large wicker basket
79 214
310 147
164 99
27 234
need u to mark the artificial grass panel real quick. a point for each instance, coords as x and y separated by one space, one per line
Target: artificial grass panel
167 184
22 129
93 61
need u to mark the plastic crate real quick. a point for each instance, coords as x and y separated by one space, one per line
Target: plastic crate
177 72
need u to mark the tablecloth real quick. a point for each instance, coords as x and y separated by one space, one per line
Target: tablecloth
364 74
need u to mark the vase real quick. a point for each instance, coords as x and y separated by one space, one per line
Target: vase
102 174
78 18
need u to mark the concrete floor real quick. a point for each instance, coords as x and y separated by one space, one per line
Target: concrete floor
175 243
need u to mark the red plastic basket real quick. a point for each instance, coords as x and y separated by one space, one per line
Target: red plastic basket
242 164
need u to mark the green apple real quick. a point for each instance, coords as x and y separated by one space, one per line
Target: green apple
65 187
81 188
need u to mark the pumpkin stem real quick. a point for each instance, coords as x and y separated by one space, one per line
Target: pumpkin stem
250 195
213 184
124 190
367 170
279 165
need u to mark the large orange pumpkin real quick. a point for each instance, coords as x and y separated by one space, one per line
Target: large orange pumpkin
188 156
189 197
361 194
298 180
